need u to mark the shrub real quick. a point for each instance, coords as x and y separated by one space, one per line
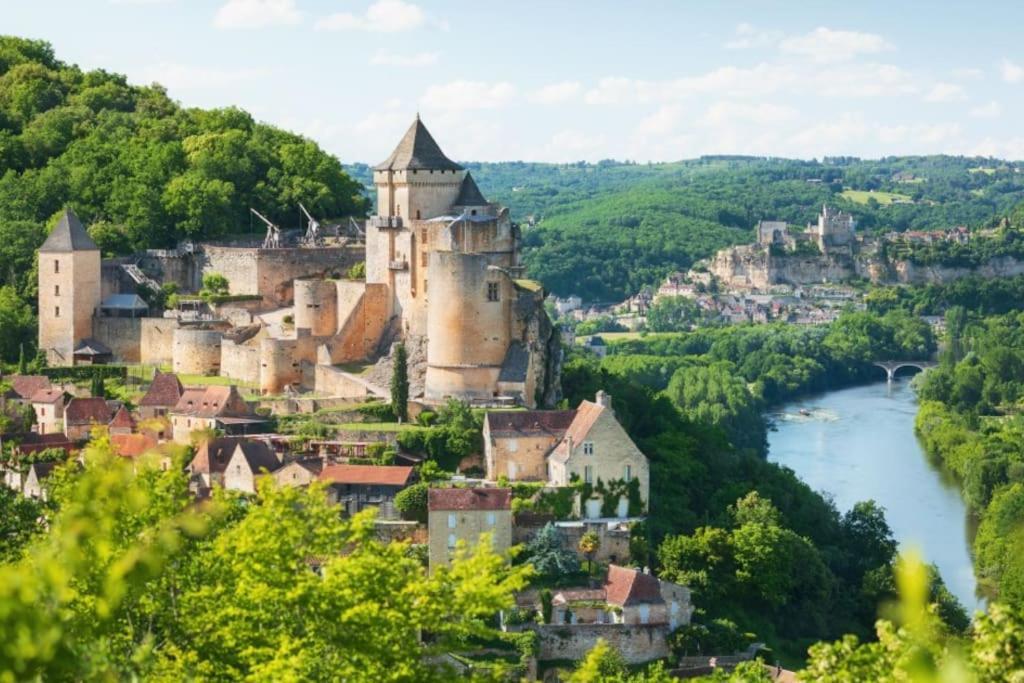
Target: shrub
412 502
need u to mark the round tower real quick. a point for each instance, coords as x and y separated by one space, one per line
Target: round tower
196 351
316 307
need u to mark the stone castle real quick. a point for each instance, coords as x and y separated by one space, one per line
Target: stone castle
442 273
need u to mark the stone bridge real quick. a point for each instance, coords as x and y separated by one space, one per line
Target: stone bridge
892 366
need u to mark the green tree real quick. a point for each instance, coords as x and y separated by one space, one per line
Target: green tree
548 555
400 384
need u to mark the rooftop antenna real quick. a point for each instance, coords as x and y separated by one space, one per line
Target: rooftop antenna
313 236
273 238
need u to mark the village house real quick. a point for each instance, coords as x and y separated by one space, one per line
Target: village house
596 346
122 422
462 515
162 396
49 407
35 477
628 596
210 461
24 387
215 407
250 460
133 446
517 443
299 473
357 487
81 415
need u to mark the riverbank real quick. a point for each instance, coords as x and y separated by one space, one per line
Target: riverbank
858 443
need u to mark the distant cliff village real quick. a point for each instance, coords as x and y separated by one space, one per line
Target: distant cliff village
438 266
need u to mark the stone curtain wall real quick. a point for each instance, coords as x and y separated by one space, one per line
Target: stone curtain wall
637 643
122 335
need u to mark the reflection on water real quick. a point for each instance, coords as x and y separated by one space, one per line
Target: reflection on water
859 443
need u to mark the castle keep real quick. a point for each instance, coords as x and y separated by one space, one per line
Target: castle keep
442 274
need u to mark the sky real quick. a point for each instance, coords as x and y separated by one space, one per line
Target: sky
563 81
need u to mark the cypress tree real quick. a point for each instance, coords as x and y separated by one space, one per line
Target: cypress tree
400 384
98 390
22 365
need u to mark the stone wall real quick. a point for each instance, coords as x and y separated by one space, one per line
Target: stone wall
122 335
637 643
157 343
614 546
271 273
469 524
196 351
241 361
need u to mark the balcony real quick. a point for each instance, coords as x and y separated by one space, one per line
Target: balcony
398 265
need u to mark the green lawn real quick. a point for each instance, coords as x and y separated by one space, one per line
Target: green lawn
610 336
203 380
884 198
374 426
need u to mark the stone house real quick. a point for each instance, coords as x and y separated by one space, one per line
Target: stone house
122 422
81 415
357 487
132 446
517 443
162 396
299 473
597 451
628 596
49 407
462 515
597 346
250 460
210 461
24 387
34 479
215 407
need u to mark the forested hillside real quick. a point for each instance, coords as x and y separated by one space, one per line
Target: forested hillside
604 230
138 168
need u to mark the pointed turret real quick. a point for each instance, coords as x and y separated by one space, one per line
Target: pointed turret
68 235
418 151
469 193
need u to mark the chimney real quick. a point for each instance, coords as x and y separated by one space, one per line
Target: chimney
604 399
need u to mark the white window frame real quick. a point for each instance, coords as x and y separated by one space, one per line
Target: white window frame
453 520
588 448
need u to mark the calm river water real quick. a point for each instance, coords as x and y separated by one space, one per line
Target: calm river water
859 443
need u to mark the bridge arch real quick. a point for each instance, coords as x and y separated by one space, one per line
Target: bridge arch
891 367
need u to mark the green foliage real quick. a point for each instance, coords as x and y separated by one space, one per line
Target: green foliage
604 664
17 323
21 519
412 502
129 561
673 314
357 271
214 285
718 636
378 412
400 384
548 555
84 373
455 435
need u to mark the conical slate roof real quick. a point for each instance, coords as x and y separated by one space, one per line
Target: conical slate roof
69 235
469 193
417 150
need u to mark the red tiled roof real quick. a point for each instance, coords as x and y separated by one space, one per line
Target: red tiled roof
528 422
385 475
586 416
32 442
123 419
92 410
164 392
48 396
212 456
132 445
579 594
25 386
469 499
213 401
626 586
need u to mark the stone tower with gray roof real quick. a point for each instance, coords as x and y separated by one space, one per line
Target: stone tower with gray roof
69 288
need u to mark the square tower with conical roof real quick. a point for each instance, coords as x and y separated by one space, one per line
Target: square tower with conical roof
69 289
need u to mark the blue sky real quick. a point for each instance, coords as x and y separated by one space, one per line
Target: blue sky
565 81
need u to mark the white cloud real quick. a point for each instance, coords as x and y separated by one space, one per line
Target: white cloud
419 59
967 74
916 134
1011 71
383 16
176 76
662 122
461 95
992 110
556 92
730 81
825 45
748 36
864 80
762 114
140 2
572 145
945 92
249 14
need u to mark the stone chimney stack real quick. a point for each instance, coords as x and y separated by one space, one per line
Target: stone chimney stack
604 399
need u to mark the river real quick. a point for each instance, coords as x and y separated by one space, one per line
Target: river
859 443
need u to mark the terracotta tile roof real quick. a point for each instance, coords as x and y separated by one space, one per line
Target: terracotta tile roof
586 416
469 499
626 586
25 386
84 411
32 442
48 396
258 455
123 419
132 445
213 401
212 456
522 423
575 594
164 391
384 475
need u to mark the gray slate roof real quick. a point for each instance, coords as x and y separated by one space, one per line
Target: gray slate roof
69 235
130 302
417 150
469 193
